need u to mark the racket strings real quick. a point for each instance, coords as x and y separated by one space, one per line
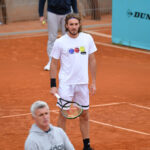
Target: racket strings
71 110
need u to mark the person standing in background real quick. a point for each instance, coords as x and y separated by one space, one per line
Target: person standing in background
57 11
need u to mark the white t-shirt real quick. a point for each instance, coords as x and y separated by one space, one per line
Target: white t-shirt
73 54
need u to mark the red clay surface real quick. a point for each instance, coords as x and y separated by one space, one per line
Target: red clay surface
123 77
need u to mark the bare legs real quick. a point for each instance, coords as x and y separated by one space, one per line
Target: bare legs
84 123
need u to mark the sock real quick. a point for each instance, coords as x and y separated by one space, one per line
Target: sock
86 143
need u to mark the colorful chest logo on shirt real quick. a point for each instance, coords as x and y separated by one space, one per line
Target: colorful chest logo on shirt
80 50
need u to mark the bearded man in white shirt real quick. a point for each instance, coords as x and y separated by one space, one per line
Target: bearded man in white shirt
76 53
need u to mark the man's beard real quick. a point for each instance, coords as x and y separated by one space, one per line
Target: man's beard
73 33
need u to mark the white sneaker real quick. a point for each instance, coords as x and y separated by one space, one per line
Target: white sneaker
47 67
1 23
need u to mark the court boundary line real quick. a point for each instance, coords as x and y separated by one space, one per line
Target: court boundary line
99 43
116 46
118 127
55 110
21 36
25 114
97 33
122 128
46 30
98 122
108 104
139 106
92 106
124 48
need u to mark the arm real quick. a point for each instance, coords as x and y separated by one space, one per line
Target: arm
41 9
74 6
92 65
53 74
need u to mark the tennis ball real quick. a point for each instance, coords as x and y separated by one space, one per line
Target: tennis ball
82 49
43 22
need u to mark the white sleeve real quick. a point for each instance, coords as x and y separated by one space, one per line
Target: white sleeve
68 145
55 50
92 46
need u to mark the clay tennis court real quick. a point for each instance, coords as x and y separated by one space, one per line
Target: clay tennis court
120 110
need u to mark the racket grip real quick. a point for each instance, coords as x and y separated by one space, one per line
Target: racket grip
57 95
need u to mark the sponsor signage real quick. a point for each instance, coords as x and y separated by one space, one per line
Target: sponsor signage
137 14
131 23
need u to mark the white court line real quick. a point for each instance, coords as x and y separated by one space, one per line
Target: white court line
95 33
19 115
115 46
23 36
124 48
92 106
97 25
22 33
140 106
118 127
98 122
56 111
99 34
26 114
109 104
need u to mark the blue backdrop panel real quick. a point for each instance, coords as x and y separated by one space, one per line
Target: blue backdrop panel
131 23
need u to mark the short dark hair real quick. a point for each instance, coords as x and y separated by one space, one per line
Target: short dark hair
71 16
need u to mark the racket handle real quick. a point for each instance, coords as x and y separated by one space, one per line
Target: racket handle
57 95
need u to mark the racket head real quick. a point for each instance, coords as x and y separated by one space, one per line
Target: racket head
71 110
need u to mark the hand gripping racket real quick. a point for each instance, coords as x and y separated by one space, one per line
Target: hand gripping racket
69 109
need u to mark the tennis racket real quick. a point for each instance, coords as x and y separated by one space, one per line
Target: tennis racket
69 109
